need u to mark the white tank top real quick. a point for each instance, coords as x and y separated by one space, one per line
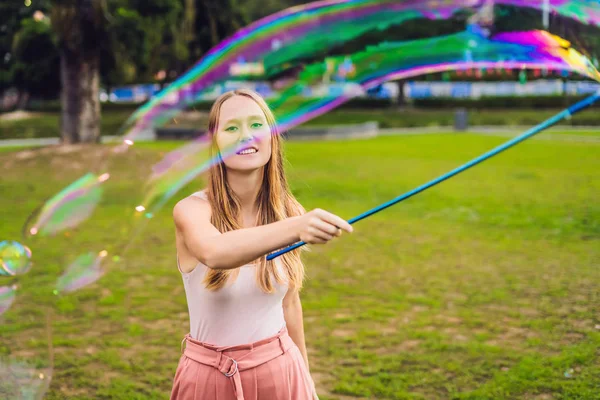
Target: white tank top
238 313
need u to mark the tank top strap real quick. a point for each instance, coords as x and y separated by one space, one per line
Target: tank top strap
201 194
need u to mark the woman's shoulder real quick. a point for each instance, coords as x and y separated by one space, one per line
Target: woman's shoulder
192 206
193 198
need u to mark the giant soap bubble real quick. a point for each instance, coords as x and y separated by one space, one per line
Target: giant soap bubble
308 60
318 56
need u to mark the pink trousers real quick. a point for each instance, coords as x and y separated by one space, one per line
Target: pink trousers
270 369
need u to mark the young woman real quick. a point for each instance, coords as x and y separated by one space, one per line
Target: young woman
246 337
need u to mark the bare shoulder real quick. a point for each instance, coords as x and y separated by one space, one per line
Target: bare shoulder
191 208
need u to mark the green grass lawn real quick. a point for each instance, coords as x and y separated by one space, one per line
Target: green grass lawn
47 124
483 287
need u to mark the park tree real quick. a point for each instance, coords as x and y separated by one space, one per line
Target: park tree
13 14
216 20
120 41
213 22
35 67
145 37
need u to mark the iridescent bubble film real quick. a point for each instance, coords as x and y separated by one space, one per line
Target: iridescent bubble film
7 297
15 259
171 172
312 55
69 207
311 33
84 270
22 380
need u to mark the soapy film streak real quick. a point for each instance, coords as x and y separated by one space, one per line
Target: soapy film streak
84 270
221 72
67 199
506 64
7 297
307 115
314 110
444 68
48 208
326 9
532 43
259 49
537 38
34 379
303 114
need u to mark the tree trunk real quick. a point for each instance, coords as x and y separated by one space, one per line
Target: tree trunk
80 101
212 20
189 32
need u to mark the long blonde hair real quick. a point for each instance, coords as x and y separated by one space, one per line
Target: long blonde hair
275 202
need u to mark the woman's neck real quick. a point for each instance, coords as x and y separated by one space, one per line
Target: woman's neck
246 186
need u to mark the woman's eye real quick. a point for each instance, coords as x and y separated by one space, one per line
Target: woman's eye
231 129
256 125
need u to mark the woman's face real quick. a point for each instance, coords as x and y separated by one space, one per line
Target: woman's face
243 123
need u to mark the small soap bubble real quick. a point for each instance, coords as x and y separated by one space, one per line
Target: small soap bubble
15 259
569 373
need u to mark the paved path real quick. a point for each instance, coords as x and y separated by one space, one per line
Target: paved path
501 131
505 131
143 137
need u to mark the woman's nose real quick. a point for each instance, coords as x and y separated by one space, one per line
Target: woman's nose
245 135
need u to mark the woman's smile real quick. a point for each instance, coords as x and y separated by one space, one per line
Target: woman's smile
247 151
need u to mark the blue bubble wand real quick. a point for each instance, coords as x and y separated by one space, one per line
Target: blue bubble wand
565 114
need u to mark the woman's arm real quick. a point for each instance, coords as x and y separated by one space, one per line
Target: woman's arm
292 311
231 249
241 246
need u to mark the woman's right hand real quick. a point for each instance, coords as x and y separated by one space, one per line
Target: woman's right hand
320 226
